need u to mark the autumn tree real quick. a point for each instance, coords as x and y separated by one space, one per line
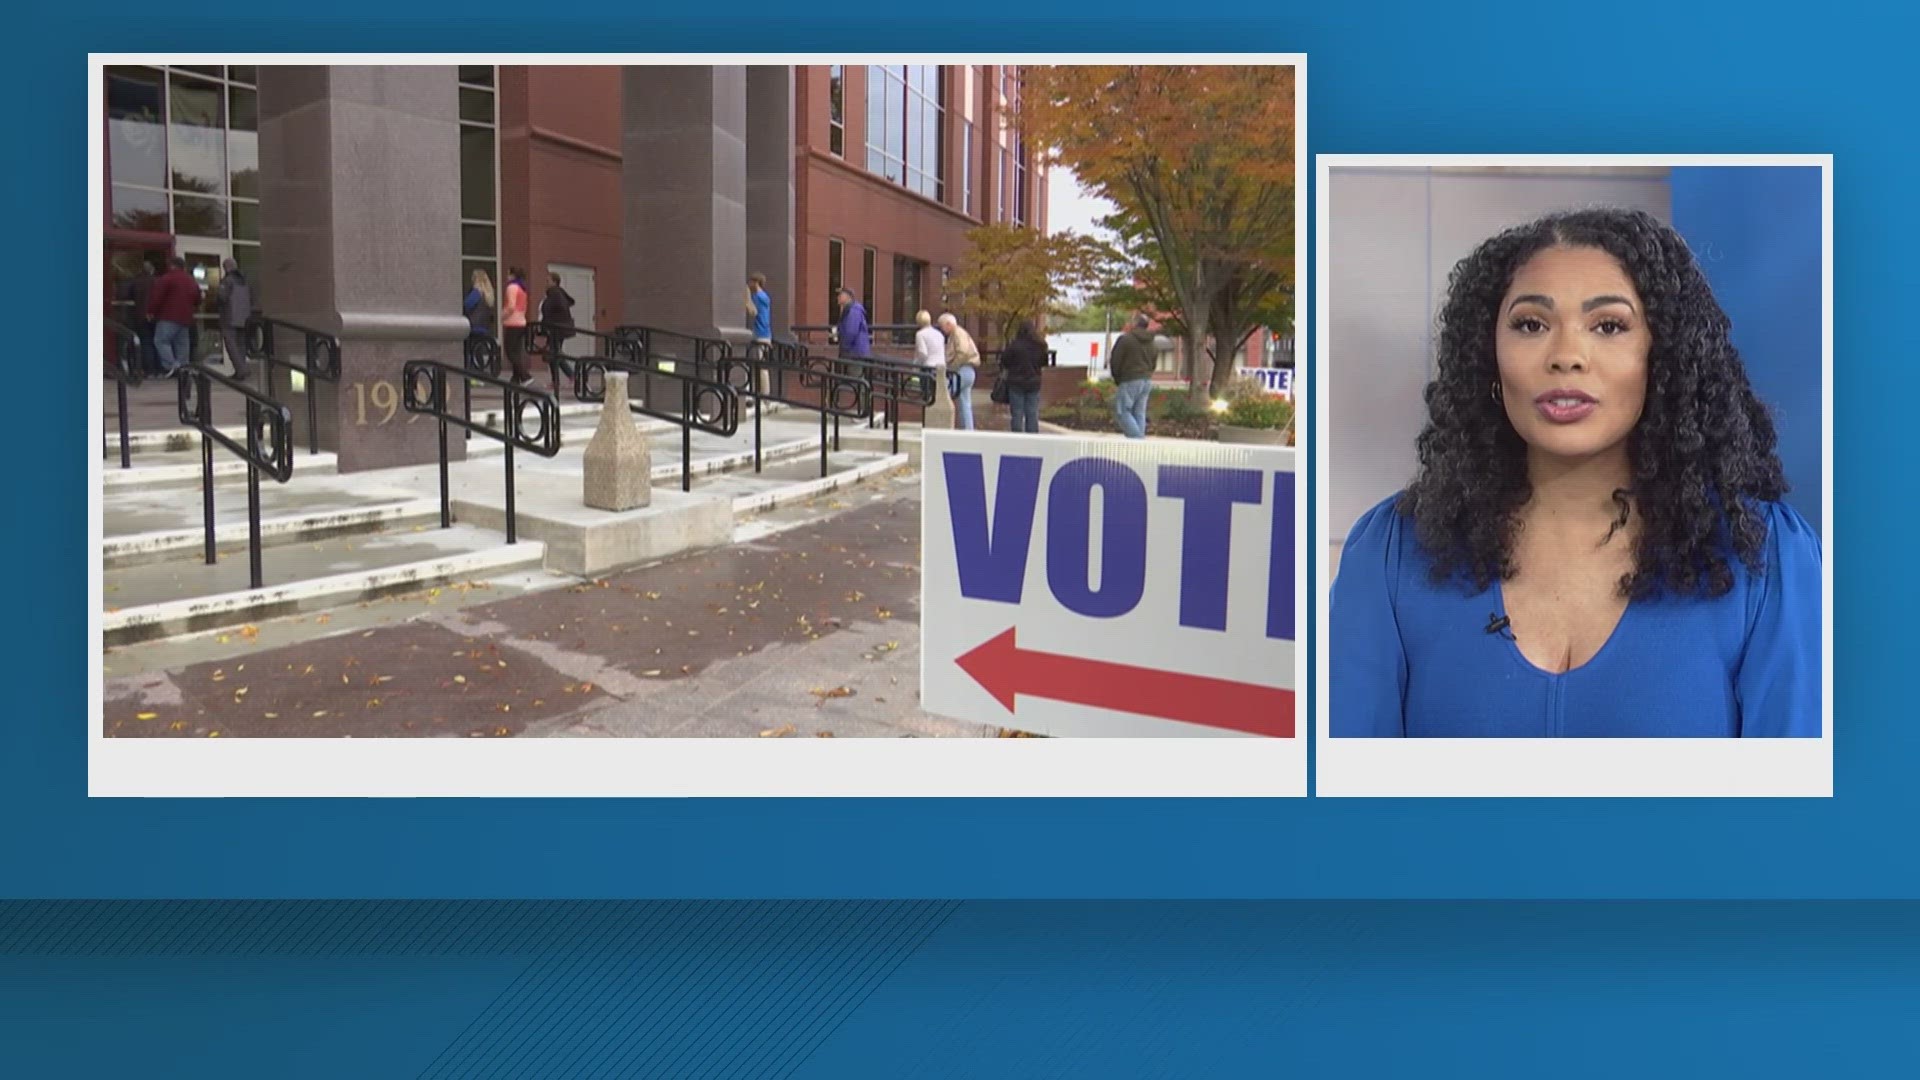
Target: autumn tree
1200 161
1012 272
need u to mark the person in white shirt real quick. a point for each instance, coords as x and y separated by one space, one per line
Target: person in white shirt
930 350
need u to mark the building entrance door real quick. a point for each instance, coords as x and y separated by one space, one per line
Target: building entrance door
203 262
578 281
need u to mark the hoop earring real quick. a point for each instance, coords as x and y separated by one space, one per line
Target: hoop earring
1495 393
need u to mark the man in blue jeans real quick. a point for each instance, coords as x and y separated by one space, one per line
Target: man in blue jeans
1132 367
171 304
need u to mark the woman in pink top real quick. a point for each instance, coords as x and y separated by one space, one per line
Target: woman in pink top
513 317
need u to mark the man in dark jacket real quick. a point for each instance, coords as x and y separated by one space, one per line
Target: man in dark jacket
130 303
174 298
1132 366
236 307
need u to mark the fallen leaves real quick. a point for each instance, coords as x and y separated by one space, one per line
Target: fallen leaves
146 716
780 732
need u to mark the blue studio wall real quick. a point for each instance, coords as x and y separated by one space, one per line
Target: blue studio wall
1756 232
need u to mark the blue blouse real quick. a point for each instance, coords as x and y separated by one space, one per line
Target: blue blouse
1411 658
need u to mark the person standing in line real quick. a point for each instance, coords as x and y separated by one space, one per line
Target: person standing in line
760 306
856 338
171 303
513 323
130 300
479 305
556 311
236 307
1020 364
1132 365
963 365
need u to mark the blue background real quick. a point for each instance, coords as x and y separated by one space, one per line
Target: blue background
1756 233
1402 78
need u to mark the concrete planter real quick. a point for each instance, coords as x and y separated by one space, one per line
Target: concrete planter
1260 436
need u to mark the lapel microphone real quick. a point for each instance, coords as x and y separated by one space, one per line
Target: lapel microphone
1499 624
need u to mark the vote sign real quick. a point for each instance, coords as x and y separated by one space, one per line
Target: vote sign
1109 587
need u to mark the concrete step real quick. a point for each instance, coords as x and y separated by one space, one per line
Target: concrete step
176 468
231 532
164 599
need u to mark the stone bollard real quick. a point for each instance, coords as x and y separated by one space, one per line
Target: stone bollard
618 472
940 414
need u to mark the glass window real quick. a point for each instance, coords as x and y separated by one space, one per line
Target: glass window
248 256
245 74
834 249
477 240
214 72
867 260
895 140
138 208
136 139
477 74
966 166
246 220
476 173
476 106
196 135
836 111
243 145
194 216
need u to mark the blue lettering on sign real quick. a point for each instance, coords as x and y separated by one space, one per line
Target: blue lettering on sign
993 564
1206 538
991 556
1123 537
1279 574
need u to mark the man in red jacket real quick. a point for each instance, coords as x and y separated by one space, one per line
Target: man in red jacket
171 303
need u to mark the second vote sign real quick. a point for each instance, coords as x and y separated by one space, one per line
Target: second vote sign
1089 587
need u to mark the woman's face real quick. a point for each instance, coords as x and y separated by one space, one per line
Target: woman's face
1572 343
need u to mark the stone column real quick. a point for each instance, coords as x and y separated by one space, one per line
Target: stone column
617 469
770 242
360 236
684 179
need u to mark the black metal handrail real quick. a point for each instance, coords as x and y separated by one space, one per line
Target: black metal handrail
896 382
267 445
902 332
481 356
123 367
707 405
321 355
659 346
424 391
550 340
762 374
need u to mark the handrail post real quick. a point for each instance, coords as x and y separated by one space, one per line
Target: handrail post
686 435
759 406
446 502
253 498
126 451
205 410
509 456
823 429
313 402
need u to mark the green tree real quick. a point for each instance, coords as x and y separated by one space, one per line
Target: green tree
1012 272
1199 159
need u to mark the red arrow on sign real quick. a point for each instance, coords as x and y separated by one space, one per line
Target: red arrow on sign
1004 669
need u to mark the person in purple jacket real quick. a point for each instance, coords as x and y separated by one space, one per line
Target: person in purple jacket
856 338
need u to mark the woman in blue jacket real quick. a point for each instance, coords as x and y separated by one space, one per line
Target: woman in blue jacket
1594 544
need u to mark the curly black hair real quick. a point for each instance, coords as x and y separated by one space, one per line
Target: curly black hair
1702 453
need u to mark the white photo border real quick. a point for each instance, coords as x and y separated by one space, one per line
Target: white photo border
1199 767
1566 767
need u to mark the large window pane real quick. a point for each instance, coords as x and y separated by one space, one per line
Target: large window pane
244 74
136 137
196 135
834 248
476 173
478 74
199 217
246 220
896 140
876 105
476 105
477 241
248 256
213 71
134 208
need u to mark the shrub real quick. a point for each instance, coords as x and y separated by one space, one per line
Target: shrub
1274 412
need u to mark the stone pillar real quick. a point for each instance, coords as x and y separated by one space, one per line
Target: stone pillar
770 222
684 180
617 471
939 415
360 236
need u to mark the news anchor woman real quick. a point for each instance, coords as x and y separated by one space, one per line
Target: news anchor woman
1594 543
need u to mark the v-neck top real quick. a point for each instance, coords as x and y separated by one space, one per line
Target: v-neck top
1411 658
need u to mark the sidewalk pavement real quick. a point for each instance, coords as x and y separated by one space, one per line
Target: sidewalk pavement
805 633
